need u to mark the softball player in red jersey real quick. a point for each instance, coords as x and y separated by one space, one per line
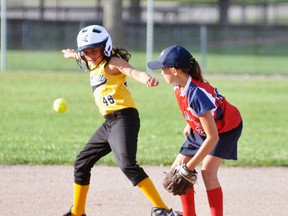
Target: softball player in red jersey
213 125
119 133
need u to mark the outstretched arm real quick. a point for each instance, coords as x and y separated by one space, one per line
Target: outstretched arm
125 68
142 77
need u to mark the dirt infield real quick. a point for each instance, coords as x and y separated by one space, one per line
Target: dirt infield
47 191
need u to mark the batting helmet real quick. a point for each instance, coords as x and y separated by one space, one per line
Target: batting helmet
94 36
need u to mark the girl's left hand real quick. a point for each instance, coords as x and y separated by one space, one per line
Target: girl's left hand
151 82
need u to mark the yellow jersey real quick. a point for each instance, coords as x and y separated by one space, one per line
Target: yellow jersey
110 91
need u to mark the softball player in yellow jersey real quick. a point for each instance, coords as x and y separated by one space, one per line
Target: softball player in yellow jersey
119 133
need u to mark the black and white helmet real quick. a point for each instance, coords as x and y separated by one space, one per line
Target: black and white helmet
94 36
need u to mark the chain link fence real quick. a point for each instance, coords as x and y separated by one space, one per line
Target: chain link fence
38 30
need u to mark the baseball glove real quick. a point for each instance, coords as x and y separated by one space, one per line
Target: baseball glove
179 180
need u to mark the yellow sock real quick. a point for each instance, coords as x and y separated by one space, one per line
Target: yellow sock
149 190
79 202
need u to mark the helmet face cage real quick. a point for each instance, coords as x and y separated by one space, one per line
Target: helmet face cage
80 61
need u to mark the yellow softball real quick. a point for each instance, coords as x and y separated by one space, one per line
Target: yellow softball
60 105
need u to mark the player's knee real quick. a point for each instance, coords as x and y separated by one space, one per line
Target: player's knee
209 177
82 171
129 171
134 173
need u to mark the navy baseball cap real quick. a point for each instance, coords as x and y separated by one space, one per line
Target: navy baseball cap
173 56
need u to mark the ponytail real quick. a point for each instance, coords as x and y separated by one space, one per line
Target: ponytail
194 70
121 53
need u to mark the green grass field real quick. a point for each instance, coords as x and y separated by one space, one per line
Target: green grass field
215 63
32 133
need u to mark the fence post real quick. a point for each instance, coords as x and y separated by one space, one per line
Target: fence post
3 35
149 31
203 45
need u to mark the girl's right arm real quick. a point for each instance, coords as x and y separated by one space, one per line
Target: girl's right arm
186 130
69 53
212 137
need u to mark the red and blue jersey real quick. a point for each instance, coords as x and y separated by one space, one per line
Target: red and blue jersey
198 98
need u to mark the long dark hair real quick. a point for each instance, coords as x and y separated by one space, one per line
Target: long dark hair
194 70
120 53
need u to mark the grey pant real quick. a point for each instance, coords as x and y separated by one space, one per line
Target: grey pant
119 134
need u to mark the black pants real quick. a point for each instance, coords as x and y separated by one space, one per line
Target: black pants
119 134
